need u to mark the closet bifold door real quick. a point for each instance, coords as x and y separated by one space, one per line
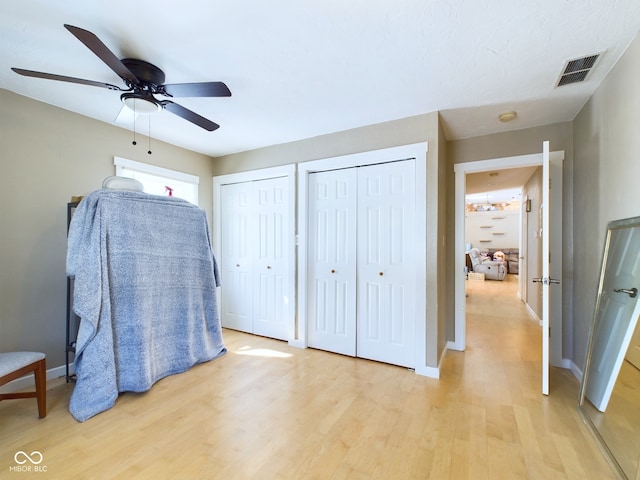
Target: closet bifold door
236 256
361 263
331 268
271 244
386 263
255 243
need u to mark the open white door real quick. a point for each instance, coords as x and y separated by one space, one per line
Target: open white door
551 301
546 200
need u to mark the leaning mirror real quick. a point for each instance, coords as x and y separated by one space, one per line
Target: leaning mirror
610 390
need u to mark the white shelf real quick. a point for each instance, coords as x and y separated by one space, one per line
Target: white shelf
492 229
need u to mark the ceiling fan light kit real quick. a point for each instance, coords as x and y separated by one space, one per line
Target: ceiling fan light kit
143 82
141 104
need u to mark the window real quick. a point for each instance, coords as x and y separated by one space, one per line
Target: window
158 180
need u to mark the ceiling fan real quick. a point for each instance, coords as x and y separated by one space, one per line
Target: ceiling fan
143 82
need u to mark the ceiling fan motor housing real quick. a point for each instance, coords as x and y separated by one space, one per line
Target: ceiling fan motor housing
141 100
148 74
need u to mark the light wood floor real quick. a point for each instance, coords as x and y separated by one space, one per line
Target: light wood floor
620 424
268 411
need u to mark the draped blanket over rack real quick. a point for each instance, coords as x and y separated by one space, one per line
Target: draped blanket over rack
145 282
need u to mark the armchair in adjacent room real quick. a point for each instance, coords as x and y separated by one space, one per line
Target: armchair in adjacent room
492 270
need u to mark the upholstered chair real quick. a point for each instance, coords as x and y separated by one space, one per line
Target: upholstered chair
14 365
492 270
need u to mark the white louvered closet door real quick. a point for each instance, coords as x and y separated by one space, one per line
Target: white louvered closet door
236 257
331 294
386 263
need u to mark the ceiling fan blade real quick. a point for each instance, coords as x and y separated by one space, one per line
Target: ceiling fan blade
204 89
94 44
62 78
190 116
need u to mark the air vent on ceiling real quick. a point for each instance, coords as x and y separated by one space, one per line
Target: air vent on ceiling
578 70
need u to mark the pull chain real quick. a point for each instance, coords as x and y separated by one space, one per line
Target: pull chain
134 123
149 151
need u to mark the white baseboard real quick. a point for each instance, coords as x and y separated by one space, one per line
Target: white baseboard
532 313
566 363
433 372
297 343
28 381
577 371
455 346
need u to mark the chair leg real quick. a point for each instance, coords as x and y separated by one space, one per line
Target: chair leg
40 374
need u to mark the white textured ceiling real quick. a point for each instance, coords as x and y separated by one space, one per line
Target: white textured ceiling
299 69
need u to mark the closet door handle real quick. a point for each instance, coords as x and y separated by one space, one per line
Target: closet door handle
333 271
268 267
381 274
237 264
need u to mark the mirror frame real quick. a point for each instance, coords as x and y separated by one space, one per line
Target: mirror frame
610 455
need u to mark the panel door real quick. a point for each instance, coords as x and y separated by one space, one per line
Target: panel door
331 269
236 257
551 264
619 312
546 264
386 271
270 258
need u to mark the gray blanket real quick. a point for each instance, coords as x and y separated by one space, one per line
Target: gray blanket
145 290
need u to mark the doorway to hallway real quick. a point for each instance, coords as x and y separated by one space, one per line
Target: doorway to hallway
501 224
553 160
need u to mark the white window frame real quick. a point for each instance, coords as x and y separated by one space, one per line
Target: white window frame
123 164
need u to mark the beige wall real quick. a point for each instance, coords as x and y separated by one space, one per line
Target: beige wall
523 142
374 137
48 155
607 169
508 144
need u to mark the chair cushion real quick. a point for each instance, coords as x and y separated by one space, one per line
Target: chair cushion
12 361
